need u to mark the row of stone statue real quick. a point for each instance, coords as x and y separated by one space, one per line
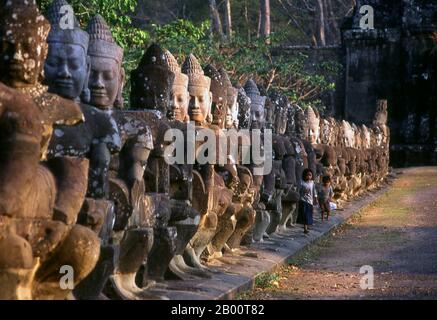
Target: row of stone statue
85 186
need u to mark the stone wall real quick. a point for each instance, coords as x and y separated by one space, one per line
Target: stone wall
395 62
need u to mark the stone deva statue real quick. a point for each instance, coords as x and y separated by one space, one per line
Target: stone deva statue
244 115
38 219
210 198
219 96
132 235
199 108
156 81
313 125
181 176
67 70
180 95
152 83
258 122
232 121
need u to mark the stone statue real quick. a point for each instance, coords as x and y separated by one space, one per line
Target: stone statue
98 136
210 199
314 125
156 82
244 115
219 96
258 115
38 218
301 124
181 97
132 235
181 175
232 121
67 71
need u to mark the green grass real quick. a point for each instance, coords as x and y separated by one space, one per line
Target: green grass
265 280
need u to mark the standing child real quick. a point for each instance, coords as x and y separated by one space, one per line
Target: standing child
325 197
308 198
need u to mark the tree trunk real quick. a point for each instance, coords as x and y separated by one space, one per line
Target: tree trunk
216 24
334 30
246 18
228 19
265 19
319 21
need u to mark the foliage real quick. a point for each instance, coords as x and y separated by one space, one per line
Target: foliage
267 280
183 37
116 13
293 75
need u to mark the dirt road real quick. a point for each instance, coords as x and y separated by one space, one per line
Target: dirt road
396 236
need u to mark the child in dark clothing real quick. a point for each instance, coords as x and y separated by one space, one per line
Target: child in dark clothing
325 197
308 198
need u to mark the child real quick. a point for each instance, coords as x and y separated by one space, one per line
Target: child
308 198
325 195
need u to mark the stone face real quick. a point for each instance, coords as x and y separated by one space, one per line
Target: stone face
199 85
257 104
66 48
181 97
106 59
219 92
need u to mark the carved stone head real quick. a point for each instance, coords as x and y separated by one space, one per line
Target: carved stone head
67 66
232 100
281 106
257 105
301 124
291 120
348 134
313 125
381 113
244 115
357 132
219 96
365 137
23 47
152 82
107 74
199 108
180 95
270 114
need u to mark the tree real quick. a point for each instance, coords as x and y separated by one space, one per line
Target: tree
216 24
319 38
228 19
326 15
265 19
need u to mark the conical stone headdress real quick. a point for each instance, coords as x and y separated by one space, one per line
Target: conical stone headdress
61 34
172 64
19 15
194 71
231 91
218 87
102 43
244 118
151 78
253 93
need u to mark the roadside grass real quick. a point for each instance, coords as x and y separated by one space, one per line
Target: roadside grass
267 280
